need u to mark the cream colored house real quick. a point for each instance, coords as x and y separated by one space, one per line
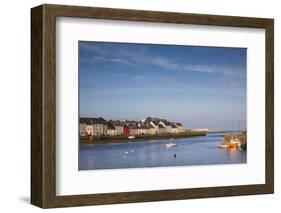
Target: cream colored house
142 131
174 129
161 129
111 130
105 128
98 129
98 126
168 128
83 129
180 127
119 127
134 130
92 126
142 128
90 129
151 130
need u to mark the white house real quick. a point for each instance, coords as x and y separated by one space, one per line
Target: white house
111 130
161 129
174 129
83 129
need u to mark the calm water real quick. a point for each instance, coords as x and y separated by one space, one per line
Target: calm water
189 151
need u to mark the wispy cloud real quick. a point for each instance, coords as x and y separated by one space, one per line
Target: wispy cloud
164 63
142 57
172 65
108 59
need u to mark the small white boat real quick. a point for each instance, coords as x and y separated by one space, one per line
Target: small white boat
223 145
169 145
132 137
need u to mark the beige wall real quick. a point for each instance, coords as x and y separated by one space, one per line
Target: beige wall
111 132
168 129
174 130
120 130
97 129
180 129
134 131
161 130
83 130
105 128
90 129
152 131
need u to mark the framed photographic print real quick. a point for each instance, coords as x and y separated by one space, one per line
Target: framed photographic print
136 106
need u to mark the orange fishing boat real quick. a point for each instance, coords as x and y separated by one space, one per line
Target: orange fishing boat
233 145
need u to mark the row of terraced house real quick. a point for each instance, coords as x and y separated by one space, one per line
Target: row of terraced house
148 126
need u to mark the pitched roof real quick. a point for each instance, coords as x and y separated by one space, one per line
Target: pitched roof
91 121
174 126
85 121
131 123
150 126
111 126
118 123
99 120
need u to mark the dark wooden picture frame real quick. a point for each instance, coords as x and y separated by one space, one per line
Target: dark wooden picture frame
43 105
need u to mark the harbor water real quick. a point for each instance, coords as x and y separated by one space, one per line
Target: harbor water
202 150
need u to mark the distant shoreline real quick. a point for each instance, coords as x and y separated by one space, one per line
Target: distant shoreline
139 138
222 131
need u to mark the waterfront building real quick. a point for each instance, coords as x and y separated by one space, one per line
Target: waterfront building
151 129
119 126
126 130
87 125
105 128
97 129
142 128
83 129
180 127
174 129
148 126
98 126
134 130
168 127
111 129
161 129
90 129
91 126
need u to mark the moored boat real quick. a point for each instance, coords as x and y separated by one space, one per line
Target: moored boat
233 145
169 145
223 145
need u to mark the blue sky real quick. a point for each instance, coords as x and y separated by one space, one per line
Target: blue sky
202 87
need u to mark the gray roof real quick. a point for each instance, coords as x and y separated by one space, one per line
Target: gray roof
111 126
130 123
90 121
